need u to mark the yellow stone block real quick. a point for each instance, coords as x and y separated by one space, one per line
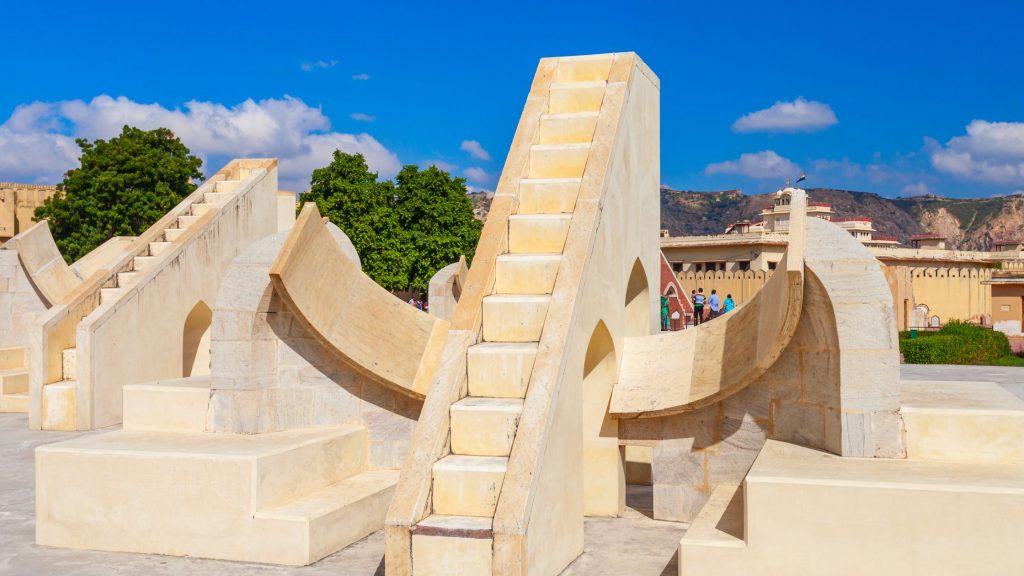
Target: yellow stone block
538 233
484 426
548 195
526 273
569 128
68 363
576 97
59 405
467 485
584 68
558 160
499 369
437 550
173 406
514 318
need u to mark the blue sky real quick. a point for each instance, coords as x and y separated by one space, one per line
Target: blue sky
892 97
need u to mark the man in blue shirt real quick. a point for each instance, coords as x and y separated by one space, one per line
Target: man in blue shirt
715 304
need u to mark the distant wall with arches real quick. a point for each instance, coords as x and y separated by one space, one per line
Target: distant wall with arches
949 292
742 285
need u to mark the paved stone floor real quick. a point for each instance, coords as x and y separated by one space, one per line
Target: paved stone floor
634 544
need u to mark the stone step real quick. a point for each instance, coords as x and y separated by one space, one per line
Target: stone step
467 485
125 279
446 544
568 128
140 263
526 273
17 402
484 426
962 422
584 68
217 198
187 220
201 208
13 357
225 186
514 318
548 195
14 381
331 518
58 405
172 234
538 233
576 96
168 405
143 491
109 295
158 248
69 363
558 160
500 369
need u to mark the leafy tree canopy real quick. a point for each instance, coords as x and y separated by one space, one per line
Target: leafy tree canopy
123 186
404 231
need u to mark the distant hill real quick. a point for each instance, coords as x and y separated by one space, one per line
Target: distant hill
968 223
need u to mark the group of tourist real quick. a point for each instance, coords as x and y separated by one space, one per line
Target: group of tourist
419 304
716 306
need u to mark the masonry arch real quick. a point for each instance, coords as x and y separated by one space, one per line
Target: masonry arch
638 313
604 480
195 341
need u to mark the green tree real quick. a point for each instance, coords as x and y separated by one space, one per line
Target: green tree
122 187
434 208
404 231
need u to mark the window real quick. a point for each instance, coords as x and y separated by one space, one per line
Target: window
744 265
771 265
677 266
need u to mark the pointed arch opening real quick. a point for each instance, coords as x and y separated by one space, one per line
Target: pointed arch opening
604 481
195 341
638 308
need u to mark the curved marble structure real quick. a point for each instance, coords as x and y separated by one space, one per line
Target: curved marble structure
675 372
319 283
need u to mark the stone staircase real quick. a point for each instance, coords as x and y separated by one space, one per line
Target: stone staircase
13 380
483 425
58 398
286 498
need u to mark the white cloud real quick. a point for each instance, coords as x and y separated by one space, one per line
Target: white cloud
441 164
318 65
362 117
475 149
363 76
760 165
989 152
917 189
37 141
476 174
797 116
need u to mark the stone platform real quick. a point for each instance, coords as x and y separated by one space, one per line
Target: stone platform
633 544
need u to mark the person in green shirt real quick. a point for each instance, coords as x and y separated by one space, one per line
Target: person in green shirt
664 313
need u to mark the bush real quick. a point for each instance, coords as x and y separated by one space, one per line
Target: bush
958 343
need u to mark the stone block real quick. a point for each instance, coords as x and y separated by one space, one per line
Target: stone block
799 424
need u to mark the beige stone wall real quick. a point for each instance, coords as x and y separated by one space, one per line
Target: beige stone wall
1007 305
269 373
18 203
20 304
953 292
742 285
